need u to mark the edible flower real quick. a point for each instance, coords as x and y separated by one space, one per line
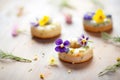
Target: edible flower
83 40
62 46
41 22
99 16
88 16
45 20
52 61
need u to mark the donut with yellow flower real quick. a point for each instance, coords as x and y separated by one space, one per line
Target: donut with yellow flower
44 28
75 50
97 21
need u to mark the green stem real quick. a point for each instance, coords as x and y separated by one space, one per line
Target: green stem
4 55
111 68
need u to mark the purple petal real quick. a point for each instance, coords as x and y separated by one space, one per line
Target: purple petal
57 49
87 38
34 24
58 42
83 36
67 50
62 49
88 16
66 43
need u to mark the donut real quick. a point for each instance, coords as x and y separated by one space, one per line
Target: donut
74 51
45 28
97 21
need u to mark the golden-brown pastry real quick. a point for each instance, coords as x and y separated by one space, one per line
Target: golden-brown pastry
97 22
44 28
74 51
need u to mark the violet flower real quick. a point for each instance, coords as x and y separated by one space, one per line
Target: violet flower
62 46
88 16
83 40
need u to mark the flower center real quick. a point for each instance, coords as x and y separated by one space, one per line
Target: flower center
101 17
83 40
52 60
61 45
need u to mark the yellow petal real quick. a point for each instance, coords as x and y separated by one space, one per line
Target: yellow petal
99 16
44 20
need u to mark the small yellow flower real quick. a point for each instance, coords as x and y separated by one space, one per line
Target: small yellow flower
44 20
52 61
99 16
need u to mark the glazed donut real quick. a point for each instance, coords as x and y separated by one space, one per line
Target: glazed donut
46 31
75 53
97 22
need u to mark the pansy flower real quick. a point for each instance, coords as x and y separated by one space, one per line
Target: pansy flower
83 40
62 46
99 16
88 16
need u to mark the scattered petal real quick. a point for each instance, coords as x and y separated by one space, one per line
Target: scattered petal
15 31
69 71
68 18
52 61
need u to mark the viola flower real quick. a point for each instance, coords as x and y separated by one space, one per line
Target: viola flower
52 61
88 16
62 46
99 16
83 40
15 31
45 20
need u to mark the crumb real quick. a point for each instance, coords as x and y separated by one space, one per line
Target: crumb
42 76
43 54
29 70
99 57
2 67
69 71
105 45
35 58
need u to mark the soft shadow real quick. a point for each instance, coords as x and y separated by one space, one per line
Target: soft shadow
49 40
99 33
6 61
77 66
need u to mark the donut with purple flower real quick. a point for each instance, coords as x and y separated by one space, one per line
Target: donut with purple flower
74 51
